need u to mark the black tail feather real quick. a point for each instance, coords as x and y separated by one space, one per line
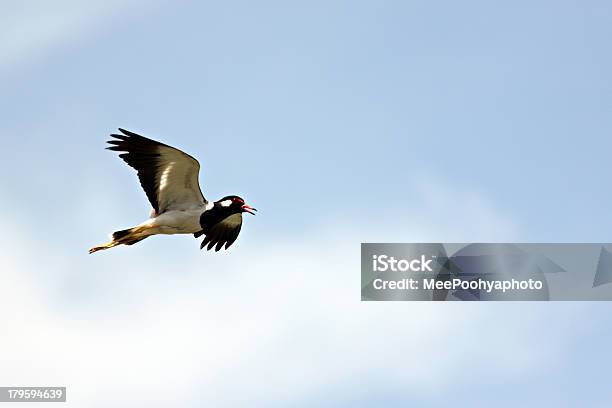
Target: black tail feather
117 235
132 242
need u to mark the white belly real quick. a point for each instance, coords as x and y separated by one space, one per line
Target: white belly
176 222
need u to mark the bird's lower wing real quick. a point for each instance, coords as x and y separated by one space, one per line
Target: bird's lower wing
222 233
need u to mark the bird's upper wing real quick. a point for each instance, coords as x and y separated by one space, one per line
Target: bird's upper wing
222 233
168 176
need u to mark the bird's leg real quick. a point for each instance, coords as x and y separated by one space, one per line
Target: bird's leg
129 236
104 246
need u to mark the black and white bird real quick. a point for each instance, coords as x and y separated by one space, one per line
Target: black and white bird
169 177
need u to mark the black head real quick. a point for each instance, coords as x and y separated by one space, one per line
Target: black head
235 205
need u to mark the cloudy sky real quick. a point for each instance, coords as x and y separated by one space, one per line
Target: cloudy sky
342 122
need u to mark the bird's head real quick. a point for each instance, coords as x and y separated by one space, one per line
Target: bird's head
236 205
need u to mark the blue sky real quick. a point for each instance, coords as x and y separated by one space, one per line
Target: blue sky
342 122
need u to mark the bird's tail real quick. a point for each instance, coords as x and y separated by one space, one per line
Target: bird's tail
128 236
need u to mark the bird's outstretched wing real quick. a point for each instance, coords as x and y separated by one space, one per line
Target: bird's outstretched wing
222 233
168 176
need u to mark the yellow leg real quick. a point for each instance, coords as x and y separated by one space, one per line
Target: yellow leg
104 246
125 237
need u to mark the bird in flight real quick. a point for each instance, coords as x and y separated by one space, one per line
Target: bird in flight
169 177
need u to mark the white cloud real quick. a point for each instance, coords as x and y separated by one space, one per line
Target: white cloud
272 325
31 29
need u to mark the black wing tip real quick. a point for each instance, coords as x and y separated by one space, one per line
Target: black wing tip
127 132
133 138
126 135
117 141
216 244
130 140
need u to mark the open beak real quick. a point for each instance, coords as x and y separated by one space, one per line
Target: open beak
249 209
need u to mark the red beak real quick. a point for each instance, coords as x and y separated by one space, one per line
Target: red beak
249 209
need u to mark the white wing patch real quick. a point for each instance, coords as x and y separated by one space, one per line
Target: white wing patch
163 182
